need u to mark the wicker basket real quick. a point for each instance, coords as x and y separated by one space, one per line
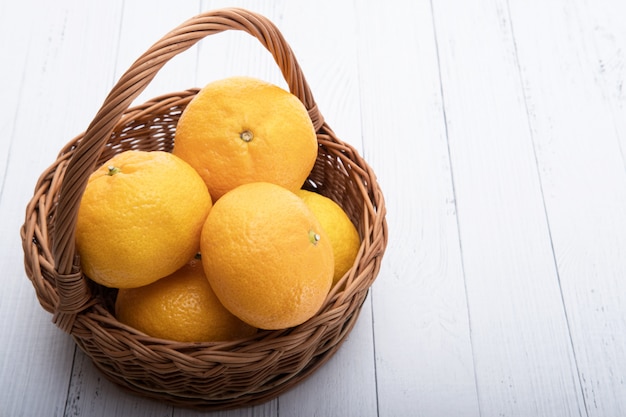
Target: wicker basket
198 375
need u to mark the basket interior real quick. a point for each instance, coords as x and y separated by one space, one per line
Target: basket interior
152 126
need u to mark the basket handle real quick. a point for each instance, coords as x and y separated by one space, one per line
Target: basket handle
73 291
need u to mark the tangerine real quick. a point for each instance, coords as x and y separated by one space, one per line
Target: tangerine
266 256
140 218
341 232
240 130
180 307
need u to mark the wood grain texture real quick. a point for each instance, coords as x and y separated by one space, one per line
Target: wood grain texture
519 329
139 30
46 113
573 104
422 339
12 81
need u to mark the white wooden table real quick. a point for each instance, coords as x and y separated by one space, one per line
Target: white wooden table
497 129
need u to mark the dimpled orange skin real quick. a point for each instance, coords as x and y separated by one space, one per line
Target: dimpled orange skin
180 307
240 130
341 231
266 256
140 218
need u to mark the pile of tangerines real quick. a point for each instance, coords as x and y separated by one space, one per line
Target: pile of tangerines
217 239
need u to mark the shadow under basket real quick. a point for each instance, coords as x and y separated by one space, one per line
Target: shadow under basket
209 376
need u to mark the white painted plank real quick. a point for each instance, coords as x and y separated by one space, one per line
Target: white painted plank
267 409
604 34
51 106
141 29
575 106
11 82
423 349
323 35
91 394
522 351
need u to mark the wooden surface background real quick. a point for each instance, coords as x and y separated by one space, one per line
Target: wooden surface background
497 129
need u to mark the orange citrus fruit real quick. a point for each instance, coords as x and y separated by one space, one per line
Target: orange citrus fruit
180 307
140 218
240 130
341 232
266 256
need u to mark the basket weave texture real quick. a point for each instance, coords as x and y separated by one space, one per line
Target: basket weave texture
207 376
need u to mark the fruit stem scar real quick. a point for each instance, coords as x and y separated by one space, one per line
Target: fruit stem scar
112 170
246 136
313 237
